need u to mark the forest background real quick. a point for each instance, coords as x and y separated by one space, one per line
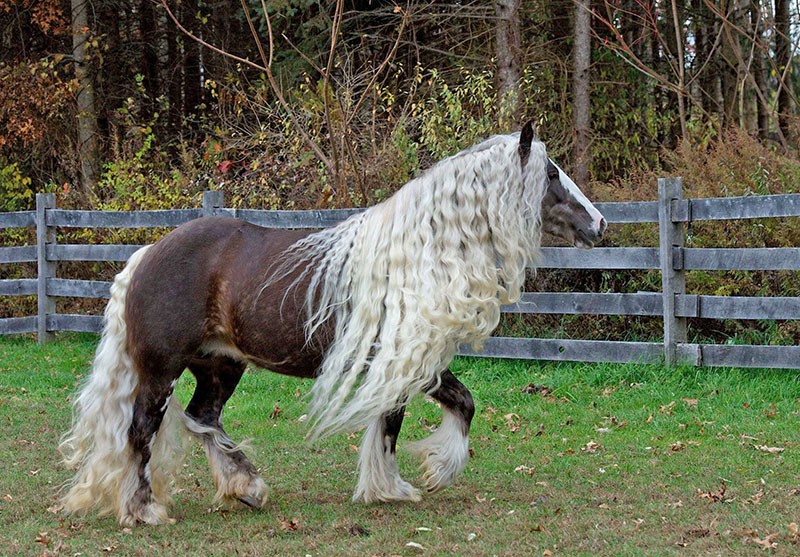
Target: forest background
143 104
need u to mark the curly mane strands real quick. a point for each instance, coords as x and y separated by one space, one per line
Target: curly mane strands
409 280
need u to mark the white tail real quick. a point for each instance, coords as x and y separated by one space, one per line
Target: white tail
97 444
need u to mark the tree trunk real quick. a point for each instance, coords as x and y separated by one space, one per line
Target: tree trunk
581 106
759 73
192 87
730 65
508 52
148 34
783 53
88 154
677 19
173 78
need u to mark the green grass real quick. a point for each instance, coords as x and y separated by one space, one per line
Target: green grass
607 460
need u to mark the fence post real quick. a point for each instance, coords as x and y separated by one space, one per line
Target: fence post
673 277
45 235
212 200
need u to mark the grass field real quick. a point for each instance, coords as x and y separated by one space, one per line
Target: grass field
569 459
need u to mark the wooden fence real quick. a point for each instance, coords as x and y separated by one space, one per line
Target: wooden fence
672 213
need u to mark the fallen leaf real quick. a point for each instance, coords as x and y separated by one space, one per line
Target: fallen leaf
690 402
756 499
667 409
415 545
794 532
591 447
767 542
677 446
357 531
529 470
532 388
276 411
289 525
770 450
604 506
713 496
513 422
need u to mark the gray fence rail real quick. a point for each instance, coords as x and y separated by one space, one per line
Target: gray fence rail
673 304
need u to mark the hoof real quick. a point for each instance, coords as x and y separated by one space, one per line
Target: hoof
252 502
400 491
250 491
151 513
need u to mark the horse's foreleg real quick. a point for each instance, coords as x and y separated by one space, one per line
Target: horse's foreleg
234 475
445 453
379 478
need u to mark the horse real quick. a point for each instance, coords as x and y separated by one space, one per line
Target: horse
373 309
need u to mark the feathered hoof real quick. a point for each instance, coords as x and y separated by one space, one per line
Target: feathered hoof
436 476
244 490
440 467
400 491
150 513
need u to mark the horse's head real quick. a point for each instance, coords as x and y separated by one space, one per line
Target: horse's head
566 212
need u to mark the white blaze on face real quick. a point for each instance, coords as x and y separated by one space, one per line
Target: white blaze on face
598 222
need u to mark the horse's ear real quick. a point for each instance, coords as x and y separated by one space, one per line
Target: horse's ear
526 137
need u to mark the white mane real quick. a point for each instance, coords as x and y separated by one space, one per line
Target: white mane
409 280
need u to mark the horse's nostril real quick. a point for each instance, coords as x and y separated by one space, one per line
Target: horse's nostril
603 226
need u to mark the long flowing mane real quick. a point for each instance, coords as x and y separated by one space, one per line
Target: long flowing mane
406 282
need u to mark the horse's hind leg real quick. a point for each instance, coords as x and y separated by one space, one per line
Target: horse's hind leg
156 458
445 453
379 478
234 475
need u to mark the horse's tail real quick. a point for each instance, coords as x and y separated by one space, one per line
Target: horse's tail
97 444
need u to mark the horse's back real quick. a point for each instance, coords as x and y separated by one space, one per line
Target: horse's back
199 289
